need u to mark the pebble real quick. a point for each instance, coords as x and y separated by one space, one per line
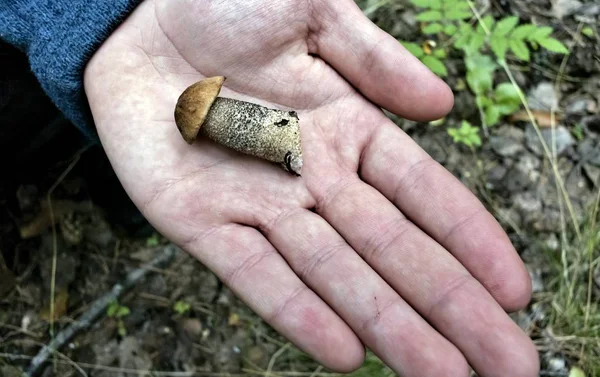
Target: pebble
589 151
565 8
543 97
524 174
507 141
562 137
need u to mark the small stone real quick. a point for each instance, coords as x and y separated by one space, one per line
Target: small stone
548 221
543 97
565 8
256 356
562 138
528 203
588 12
537 283
557 364
589 151
192 327
495 177
509 216
552 242
507 141
524 174
133 356
593 173
576 185
107 353
579 106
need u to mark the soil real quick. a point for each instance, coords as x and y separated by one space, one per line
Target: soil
182 318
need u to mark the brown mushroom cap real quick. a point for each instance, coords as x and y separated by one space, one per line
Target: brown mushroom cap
193 106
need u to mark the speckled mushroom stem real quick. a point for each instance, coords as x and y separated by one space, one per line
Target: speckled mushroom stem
270 134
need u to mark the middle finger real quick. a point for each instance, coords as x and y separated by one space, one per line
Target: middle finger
426 276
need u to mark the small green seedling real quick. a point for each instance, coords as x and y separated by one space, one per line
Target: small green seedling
118 312
153 240
466 134
431 56
181 307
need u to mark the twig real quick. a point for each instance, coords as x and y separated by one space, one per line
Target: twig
98 308
274 358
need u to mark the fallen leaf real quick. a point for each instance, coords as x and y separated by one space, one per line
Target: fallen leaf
45 218
543 118
576 372
234 319
61 299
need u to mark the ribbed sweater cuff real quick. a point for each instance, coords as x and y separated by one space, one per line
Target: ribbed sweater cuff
59 37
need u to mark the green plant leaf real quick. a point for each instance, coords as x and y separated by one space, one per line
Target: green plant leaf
540 33
421 3
476 43
508 108
483 101
413 48
123 311
112 309
492 115
553 45
433 28
464 35
450 29
479 61
428 16
122 331
488 21
506 92
466 134
587 31
499 46
439 53
520 49
456 14
523 31
505 26
435 65
181 307
480 80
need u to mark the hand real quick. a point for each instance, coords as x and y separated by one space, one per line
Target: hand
375 244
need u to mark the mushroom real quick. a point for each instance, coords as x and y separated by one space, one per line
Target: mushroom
270 134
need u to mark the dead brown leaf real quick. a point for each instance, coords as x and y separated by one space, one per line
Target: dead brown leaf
61 300
543 118
44 219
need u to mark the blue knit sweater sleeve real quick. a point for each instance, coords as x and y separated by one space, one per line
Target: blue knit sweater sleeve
59 37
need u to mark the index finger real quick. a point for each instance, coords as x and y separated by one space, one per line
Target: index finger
377 64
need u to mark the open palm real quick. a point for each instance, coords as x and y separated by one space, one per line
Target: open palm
376 244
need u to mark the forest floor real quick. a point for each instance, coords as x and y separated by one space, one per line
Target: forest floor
182 319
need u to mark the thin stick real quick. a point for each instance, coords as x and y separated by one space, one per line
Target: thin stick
97 309
274 358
